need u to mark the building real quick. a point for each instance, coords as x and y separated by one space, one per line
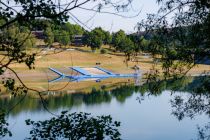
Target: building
77 40
202 58
39 34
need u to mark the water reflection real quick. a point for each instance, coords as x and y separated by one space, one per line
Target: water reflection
197 102
194 98
204 132
4 125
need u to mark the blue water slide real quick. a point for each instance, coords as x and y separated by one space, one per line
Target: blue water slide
86 75
80 70
56 79
106 71
56 71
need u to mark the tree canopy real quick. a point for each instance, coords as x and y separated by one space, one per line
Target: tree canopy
94 39
183 37
75 126
117 38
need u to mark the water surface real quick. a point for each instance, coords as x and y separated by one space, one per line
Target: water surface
143 113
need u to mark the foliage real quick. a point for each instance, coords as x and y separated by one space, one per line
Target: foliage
13 48
181 38
126 46
140 43
41 24
75 126
105 35
197 103
49 36
19 34
103 51
94 39
204 132
122 93
123 43
62 37
144 44
73 29
4 126
14 43
107 38
117 38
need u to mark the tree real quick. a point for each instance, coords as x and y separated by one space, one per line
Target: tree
107 38
126 46
117 38
105 35
144 44
94 39
62 37
49 36
72 29
75 126
183 37
21 35
123 43
140 43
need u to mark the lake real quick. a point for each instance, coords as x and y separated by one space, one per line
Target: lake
165 110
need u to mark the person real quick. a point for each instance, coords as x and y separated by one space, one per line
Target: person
137 75
136 67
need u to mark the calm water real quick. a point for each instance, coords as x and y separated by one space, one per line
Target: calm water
144 114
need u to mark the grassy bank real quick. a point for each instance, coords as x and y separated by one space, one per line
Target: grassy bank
81 56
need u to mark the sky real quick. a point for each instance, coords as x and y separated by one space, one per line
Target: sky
111 22
114 23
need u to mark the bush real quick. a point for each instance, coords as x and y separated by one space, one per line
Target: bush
103 51
75 126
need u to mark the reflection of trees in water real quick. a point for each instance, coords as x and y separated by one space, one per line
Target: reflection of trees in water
97 97
190 106
69 100
204 132
195 103
3 126
121 93
28 104
158 86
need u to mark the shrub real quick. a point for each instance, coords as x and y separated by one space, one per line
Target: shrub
103 51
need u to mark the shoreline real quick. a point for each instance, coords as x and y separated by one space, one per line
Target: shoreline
39 77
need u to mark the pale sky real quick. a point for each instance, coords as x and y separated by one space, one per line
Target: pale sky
115 23
112 22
